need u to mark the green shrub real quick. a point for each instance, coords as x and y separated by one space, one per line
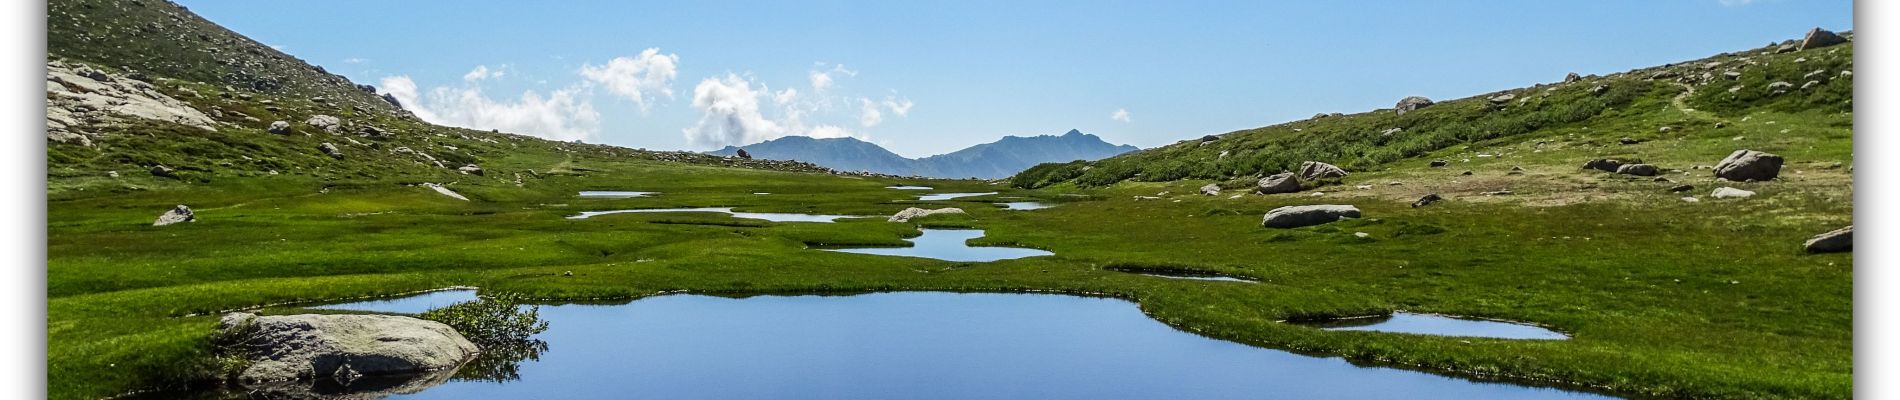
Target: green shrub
498 320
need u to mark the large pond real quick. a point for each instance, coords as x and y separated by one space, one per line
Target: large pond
921 345
775 217
947 196
1440 325
614 194
949 245
1026 205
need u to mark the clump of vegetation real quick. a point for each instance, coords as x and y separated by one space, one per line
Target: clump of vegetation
493 321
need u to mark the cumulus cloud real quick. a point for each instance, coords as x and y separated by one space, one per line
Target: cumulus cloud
899 107
821 79
639 78
1121 114
481 72
785 97
564 114
829 131
871 116
729 113
355 60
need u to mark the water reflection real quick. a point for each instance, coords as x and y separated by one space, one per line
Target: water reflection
949 245
411 304
1026 205
775 217
1439 325
614 194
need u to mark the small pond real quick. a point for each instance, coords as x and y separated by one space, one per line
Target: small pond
775 217
614 194
949 245
908 187
1182 274
412 304
1439 325
1026 205
920 345
947 196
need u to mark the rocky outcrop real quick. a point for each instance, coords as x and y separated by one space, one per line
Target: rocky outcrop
302 347
1834 241
279 127
81 99
1315 170
1638 169
1749 165
914 212
1298 216
1412 103
178 214
1283 182
325 123
1211 189
1819 38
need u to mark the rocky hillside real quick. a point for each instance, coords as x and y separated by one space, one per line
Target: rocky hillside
144 94
1669 102
993 160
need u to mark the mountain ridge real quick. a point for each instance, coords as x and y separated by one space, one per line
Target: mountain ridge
993 160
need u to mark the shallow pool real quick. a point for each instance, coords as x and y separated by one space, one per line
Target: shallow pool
775 217
1440 325
614 194
947 196
948 245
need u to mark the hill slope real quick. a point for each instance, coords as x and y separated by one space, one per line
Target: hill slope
993 160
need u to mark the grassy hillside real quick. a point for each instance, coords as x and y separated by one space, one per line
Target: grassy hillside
1663 297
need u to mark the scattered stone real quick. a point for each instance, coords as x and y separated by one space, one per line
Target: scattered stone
1730 193
1411 103
1779 87
1283 182
1502 98
1466 173
914 212
1315 170
1427 200
178 214
1819 38
1361 235
310 346
1440 163
1681 188
1746 165
1209 138
279 127
1298 216
1834 241
1210 189
112 174
1628 140
325 123
1638 169
164 171
1599 90
471 169
1603 164
1572 77
1691 200
331 150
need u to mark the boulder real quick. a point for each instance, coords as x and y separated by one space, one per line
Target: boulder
1210 138
178 214
1440 163
1315 170
309 346
1819 38
1210 189
279 127
1502 98
914 212
1603 164
1628 140
1298 216
1834 241
325 123
1283 182
1681 188
470 169
164 171
1730 193
1746 165
743 154
1572 77
1411 103
1637 169
330 150
1427 200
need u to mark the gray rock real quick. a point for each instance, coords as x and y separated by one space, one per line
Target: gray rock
1628 140
1746 165
305 347
1637 169
1210 189
1298 216
178 214
1819 38
1681 188
1411 103
331 150
1603 164
325 123
1427 200
1834 241
914 212
471 169
1315 170
279 127
1572 77
1440 163
1283 182
1502 98
1599 89
1779 87
1730 193
1390 132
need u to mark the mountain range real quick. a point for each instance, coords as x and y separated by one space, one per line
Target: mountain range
993 160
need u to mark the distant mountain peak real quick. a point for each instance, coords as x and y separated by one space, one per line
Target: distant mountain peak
998 159
1073 132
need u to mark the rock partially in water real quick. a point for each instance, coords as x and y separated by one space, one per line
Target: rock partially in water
1834 241
914 212
1298 216
178 214
310 346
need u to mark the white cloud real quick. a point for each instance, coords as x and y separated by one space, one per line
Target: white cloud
1121 114
821 79
785 97
870 117
355 60
638 78
564 114
481 72
729 113
899 107
829 131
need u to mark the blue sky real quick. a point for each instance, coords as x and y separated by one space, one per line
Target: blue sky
926 78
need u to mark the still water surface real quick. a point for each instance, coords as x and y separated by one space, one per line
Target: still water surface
949 245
